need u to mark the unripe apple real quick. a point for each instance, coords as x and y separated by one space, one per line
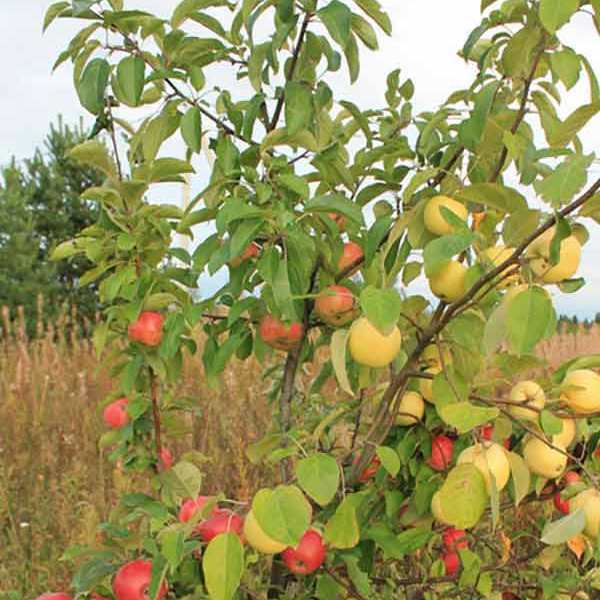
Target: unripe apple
308 556
539 255
450 282
252 250
525 397
411 409
565 438
133 580
455 539
490 458
278 335
441 453
426 385
352 255
336 305
581 391
258 539
589 501
434 358
115 414
542 459
435 221
165 460
368 346
147 330
370 470
340 220
190 507
496 256
451 563
54 596
437 511
221 521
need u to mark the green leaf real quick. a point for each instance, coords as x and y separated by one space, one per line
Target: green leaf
223 566
282 513
362 28
471 130
298 107
336 203
191 129
494 195
551 425
184 479
352 58
564 529
342 530
438 252
296 184
464 416
567 66
390 460
172 545
54 11
564 133
556 13
319 476
282 291
338 344
337 18
373 9
528 317
169 169
520 476
95 154
463 496
327 588
382 307
131 77
92 85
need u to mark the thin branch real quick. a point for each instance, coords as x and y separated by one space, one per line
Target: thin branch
446 170
155 414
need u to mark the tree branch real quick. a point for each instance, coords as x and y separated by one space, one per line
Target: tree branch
155 414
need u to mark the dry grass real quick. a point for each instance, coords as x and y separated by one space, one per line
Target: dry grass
56 484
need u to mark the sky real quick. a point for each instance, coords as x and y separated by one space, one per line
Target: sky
426 37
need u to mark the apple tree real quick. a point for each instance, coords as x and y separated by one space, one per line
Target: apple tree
451 461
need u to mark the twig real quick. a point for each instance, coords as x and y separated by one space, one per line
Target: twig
155 413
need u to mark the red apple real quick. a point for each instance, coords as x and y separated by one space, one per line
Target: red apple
221 521
370 470
165 461
562 505
278 335
571 477
133 580
190 507
147 330
352 255
452 563
55 596
597 452
441 453
115 414
308 556
455 539
250 251
340 220
487 432
336 305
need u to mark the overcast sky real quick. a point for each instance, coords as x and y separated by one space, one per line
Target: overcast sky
424 44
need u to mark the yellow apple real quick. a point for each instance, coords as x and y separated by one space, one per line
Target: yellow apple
496 256
526 394
542 459
258 539
434 220
449 283
589 501
490 458
368 346
567 435
539 255
581 391
432 355
426 385
411 403
436 510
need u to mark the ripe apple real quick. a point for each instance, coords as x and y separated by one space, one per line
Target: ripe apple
435 221
340 220
560 504
368 346
527 394
278 335
449 283
147 330
258 539
221 521
411 409
133 580
115 414
190 507
542 459
589 501
352 255
252 250
490 458
581 391
495 256
426 385
487 431
370 470
55 596
308 556
455 539
452 563
437 511
336 305
539 255
565 438
165 461
441 453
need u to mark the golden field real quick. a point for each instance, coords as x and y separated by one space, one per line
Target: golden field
56 484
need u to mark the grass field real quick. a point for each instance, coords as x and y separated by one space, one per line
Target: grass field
55 482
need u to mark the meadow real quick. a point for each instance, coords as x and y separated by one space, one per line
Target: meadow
56 483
